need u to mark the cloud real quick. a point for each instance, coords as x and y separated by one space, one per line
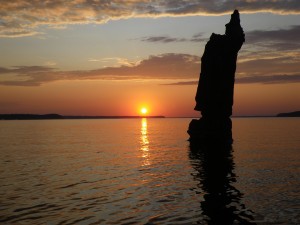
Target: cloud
198 38
27 75
23 18
282 64
115 60
26 70
167 39
163 39
272 79
281 39
270 52
15 33
50 63
183 68
165 66
183 83
179 7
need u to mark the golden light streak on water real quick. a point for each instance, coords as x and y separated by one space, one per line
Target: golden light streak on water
145 142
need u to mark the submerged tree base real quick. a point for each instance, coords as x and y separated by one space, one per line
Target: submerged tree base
211 130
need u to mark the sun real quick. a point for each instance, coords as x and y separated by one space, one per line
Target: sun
144 110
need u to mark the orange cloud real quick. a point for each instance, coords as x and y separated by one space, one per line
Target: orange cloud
270 79
181 67
22 17
165 66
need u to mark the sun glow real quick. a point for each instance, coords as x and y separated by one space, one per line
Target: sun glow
144 111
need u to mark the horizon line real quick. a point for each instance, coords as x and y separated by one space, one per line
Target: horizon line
28 116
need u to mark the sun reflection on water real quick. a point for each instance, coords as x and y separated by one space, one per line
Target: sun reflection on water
145 142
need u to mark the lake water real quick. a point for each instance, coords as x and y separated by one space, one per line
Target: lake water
144 171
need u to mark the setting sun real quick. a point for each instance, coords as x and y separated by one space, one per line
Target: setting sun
144 110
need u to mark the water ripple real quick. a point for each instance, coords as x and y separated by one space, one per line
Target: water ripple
84 172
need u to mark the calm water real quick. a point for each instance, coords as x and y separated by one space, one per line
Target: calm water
143 171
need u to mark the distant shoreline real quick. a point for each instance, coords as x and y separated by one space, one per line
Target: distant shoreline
289 114
57 116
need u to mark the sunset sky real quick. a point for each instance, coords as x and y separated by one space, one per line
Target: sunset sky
89 57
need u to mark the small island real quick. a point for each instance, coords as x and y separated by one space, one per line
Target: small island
289 114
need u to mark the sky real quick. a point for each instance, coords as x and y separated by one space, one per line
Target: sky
100 57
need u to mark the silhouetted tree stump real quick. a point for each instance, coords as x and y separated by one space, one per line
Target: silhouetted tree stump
214 97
